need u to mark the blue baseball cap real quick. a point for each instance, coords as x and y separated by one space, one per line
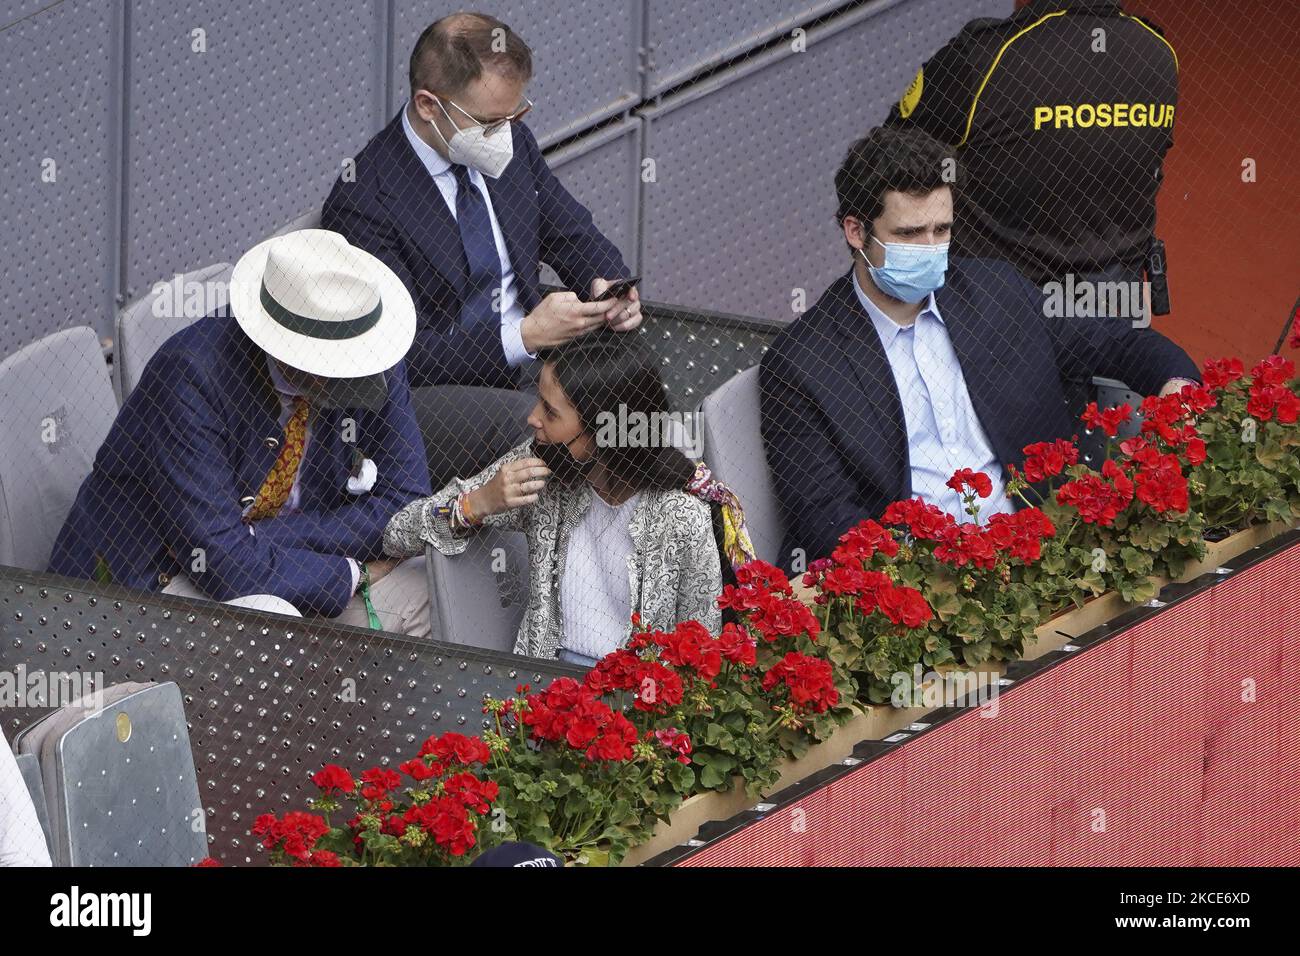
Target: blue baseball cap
517 854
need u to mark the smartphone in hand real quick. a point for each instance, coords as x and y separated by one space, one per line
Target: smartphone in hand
619 289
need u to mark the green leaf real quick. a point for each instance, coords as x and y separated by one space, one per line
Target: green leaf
711 778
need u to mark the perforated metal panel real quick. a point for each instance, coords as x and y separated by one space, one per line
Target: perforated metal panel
601 171
585 56
229 144
689 36
58 126
268 699
698 352
741 212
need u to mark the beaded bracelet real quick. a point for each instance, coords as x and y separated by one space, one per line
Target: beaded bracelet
466 513
458 513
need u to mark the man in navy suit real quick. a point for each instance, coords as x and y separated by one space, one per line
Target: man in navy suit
455 197
264 453
911 367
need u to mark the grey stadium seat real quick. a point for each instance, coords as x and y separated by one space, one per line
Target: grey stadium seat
733 450
1106 392
467 427
56 407
148 322
120 787
477 597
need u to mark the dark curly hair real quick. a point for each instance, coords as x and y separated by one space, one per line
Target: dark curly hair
904 160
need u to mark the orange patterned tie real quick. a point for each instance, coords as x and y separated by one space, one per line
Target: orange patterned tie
278 484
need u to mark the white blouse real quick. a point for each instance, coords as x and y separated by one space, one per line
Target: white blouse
595 596
22 842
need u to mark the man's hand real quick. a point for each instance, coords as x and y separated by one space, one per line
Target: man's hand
1174 385
516 484
624 314
560 318
380 569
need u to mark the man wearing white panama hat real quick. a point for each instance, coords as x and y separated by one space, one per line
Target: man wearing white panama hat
265 453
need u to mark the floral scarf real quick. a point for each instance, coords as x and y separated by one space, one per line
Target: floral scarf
736 543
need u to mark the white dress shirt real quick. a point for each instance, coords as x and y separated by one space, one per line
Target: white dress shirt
944 433
512 312
595 595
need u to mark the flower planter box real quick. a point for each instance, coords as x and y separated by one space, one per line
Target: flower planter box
878 722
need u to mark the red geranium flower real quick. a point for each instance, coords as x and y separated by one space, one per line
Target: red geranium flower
418 769
676 741
737 645
1274 370
1048 459
967 544
762 574
691 646
615 741
476 794
1097 500
1162 485
1220 372
657 688
378 782
784 617
977 481
861 542
296 834
1021 533
333 777
925 521
904 605
615 671
1108 420
809 680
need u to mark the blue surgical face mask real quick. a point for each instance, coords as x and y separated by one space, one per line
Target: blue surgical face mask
911 272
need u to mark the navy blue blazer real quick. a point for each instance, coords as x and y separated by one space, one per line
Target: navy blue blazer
191 441
832 420
395 211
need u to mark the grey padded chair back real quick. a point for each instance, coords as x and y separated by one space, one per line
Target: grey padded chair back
170 306
467 427
1111 391
120 786
478 597
30 768
1107 392
56 407
308 220
733 450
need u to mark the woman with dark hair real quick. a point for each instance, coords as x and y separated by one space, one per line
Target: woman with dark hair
618 520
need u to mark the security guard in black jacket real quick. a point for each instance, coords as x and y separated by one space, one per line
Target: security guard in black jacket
1061 116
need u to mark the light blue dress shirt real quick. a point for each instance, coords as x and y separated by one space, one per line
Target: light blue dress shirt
512 313
944 433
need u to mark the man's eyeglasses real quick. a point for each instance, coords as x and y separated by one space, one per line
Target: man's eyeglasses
492 125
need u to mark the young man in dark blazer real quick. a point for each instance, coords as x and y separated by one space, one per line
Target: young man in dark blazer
910 366
455 197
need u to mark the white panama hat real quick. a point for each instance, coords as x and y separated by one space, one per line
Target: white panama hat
314 302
